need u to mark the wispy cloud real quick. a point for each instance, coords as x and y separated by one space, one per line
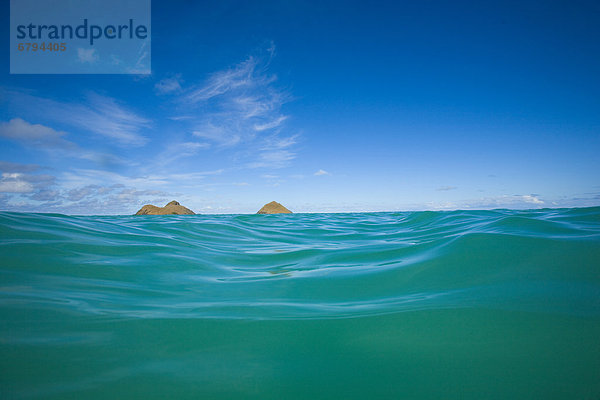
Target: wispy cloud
86 176
82 177
275 152
273 159
245 75
7 166
169 85
105 116
34 135
142 64
118 194
181 117
218 134
97 114
48 139
241 105
446 188
87 56
516 201
194 176
321 172
176 151
270 125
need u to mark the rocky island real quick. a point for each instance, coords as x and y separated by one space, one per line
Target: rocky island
274 208
170 209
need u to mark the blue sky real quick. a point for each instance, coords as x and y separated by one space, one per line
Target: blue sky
322 106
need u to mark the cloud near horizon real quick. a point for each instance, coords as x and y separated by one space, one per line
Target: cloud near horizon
516 201
22 189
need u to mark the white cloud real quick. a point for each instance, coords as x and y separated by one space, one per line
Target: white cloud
273 159
270 125
90 191
446 188
180 150
142 64
14 183
82 192
87 55
238 106
48 139
531 198
191 179
23 185
114 60
98 114
106 117
18 129
33 134
219 134
277 142
181 118
321 172
275 152
6 166
119 194
103 159
242 76
190 147
89 199
83 177
503 201
168 85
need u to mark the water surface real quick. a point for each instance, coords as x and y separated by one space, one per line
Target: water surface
496 304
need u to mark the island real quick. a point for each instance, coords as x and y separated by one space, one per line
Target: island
172 208
273 208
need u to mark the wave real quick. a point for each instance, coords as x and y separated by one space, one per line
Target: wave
302 266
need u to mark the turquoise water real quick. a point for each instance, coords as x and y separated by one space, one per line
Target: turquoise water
411 305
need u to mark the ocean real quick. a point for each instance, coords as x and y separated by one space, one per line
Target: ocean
499 304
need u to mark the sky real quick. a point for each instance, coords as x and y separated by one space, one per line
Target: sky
322 106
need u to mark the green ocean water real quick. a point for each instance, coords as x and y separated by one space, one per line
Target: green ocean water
498 304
